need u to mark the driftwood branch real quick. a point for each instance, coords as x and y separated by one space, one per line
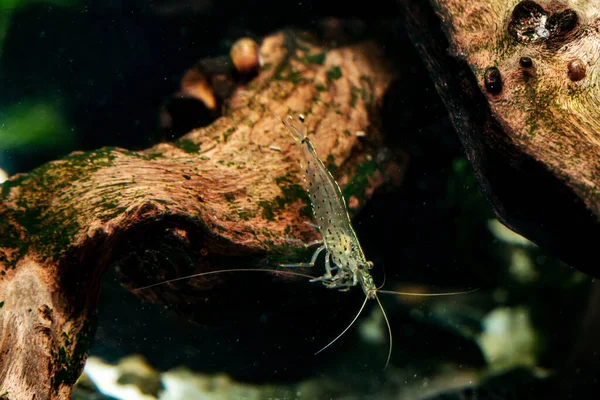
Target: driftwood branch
221 195
520 81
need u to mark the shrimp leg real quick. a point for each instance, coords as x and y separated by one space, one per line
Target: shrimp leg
309 264
305 245
317 227
327 265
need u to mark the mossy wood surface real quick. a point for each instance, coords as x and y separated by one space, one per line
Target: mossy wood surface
232 190
520 81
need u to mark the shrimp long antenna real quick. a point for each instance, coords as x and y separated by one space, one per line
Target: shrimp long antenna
348 327
384 278
227 270
426 294
387 322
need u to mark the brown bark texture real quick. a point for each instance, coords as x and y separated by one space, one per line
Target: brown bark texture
520 81
226 194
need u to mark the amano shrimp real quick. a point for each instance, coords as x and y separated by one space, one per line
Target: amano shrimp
339 240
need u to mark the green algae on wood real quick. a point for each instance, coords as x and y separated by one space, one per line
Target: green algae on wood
360 182
291 192
187 145
334 73
315 58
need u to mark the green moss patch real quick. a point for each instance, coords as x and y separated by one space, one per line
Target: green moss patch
314 59
291 192
187 145
334 73
360 182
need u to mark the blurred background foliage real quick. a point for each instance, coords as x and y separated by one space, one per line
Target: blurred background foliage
38 124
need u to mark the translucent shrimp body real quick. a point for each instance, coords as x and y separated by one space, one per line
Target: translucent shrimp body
339 239
342 248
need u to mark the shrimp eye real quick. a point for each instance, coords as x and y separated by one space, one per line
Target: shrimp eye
301 117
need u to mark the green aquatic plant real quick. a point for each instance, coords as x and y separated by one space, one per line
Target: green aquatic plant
34 123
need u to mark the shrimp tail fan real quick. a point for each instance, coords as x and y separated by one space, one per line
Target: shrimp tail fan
295 126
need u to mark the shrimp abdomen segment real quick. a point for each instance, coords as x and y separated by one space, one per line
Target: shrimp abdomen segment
327 201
